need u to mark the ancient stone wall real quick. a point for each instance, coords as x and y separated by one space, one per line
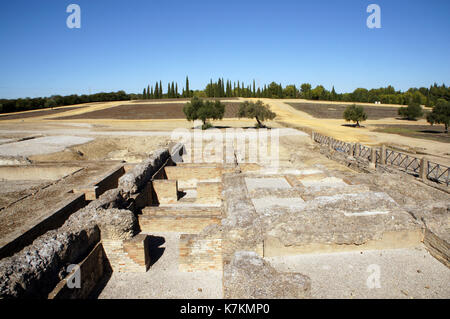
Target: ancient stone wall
90 271
200 254
39 267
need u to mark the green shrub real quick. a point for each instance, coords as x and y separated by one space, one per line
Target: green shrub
440 114
411 112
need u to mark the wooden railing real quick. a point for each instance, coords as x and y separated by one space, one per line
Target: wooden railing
421 167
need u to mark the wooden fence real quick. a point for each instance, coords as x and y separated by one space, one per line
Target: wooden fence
420 167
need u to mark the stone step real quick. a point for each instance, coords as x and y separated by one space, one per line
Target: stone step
183 223
178 210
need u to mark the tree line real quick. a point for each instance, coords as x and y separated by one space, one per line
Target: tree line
156 91
223 89
17 105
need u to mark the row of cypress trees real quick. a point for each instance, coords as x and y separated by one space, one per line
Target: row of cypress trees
221 89
156 91
239 89
213 89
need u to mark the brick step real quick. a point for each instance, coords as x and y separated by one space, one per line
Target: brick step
182 211
130 255
184 224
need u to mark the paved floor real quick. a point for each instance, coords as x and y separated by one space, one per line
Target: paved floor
403 273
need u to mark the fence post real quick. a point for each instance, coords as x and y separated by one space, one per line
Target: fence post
423 168
373 158
373 155
383 155
357 149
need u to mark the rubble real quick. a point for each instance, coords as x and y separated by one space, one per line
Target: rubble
248 276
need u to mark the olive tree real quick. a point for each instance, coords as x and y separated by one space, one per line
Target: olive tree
411 112
257 110
197 109
440 114
355 113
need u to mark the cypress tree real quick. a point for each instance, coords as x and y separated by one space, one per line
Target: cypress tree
254 88
176 90
151 93
144 94
188 91
160 90
156 91
333 94
222 93
211 88
217 90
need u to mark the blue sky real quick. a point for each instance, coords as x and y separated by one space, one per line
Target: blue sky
129 44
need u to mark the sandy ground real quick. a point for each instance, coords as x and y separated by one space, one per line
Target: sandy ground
346 275
163 280
42 145
287 115
333 127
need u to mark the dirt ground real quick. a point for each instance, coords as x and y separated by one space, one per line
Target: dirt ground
429 132
336 111
107 148
286 116
289 116
45 112
146 111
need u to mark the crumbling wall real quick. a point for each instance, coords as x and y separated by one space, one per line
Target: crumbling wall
36 270
136 179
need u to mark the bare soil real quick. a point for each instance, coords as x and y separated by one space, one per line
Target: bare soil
104 148
435 133
146 111
31 207
186 99
45 112
336 111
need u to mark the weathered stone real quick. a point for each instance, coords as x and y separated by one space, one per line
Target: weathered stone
141 174
248 276
117 223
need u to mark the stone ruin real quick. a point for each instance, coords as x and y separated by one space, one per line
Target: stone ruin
232 217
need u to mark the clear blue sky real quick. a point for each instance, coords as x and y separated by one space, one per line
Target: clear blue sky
128 44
